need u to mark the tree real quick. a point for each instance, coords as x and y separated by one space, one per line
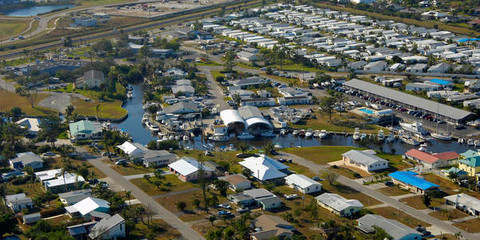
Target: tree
221 186
128 195
51 127
243 147
268 148
69 111
212 219
201 179
331 177
145 52
427 200
229 63
181 206
327 105
8 223
380 234
237 99
453 176
196 203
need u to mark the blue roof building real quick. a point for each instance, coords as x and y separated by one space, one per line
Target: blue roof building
441 82
412 182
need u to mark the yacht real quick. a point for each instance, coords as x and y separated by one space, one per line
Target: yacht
461 140
177 137
316 133
415 128
152 127
219 138
295 133
245 136
356 134
409 140
390 138
268 134
476 143
323 134
470 142
381 135
145 117
301 133
309 133
441 136
423 147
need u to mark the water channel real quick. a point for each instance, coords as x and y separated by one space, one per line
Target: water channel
133 125
34 11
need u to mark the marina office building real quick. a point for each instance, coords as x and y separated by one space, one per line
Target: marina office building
445 112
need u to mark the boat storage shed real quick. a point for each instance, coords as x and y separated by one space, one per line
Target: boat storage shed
232 119
254 118
448 113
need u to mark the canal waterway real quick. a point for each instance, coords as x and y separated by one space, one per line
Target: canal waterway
34 11
133 125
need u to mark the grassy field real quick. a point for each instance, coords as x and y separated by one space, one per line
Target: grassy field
423 23
111 109
350 193
417 202
320 155
8 100
30 189
129 169
9 28
393 191
150 189
472 226
446 185
162 231
216 74
227 159
90 3
393 213
323 122
454 214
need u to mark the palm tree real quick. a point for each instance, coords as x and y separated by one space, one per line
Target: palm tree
128 195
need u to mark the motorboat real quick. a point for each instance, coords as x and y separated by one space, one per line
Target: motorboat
171 138
323 134
363 137
145 117
245 136
219 138
268 134
152 127
441 136
316 133
461 141
177 137
185 138
406 138
381 135
356 134
423 147
295 133
470 142
415 128
283 132
390 138
277 146
301 133
476 143
309 133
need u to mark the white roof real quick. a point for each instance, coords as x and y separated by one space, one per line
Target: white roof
364 158
256 120
264 168
231 116
465 200
48 174
338 202
187 165
88 205
394 228
67 178
301 180
32 124
131 149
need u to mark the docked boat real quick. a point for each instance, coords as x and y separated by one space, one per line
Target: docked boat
423 147
171 138
277 146
356 134
316 133
219 138
363 137
283 132
177 137
409 140
309 133
470 142
268 134
185 138
476 143
145 117
381 135
415 128
301 133
245 136
441 136
461 141
323 134
390 138
152 127
295 133
129 95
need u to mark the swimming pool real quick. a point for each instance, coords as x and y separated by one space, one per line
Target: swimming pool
367 111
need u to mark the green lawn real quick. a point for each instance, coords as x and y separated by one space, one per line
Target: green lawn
10 28
225 159
161 231
321 154
130 169
216 74
294 67
175 185
393 213
208 63
8 100
393 191
111 110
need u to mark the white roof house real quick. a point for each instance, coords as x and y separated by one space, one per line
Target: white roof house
31 124
187 169
339 204
397 230
88 205
465 202
364 160
18 202
109 228
54 181
264 168
131 149
303 183
149 158
28 159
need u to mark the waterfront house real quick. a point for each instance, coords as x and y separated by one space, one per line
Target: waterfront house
85 129
339 205
364 160
433 160
470 162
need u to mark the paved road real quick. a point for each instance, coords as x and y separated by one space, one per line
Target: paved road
215 89
186 231
443 226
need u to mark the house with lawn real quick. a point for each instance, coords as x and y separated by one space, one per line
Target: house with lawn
303 183
394 228
364 160
470 163
265 169
73 197
57 181
272 227
339 205
433 160
27 159
188 169
237 182
88 205
410 181
464 202
264 198
32 125
85 129
149 158
17 202
109 228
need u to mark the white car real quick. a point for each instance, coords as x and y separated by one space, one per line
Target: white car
291 196
224 205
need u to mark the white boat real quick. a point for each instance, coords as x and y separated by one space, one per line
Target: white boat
416 128
364 135
152 127
323 134
283 132
295 132
277 146
381 135
268 134
356 134
441 136
316 133
470 142
177 137
129 95
164 138
423 147
390 138
171 138
145 117
245 136
219 138
409 140
185 138
309 133
476 143
461 140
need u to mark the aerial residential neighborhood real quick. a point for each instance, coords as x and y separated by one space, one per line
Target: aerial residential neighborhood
260 120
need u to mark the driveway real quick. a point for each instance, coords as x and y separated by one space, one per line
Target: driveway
436 223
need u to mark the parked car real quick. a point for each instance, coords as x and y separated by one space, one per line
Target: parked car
48 154
223 213
388 183
316 178
121 162
291 196
243 210
224 205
